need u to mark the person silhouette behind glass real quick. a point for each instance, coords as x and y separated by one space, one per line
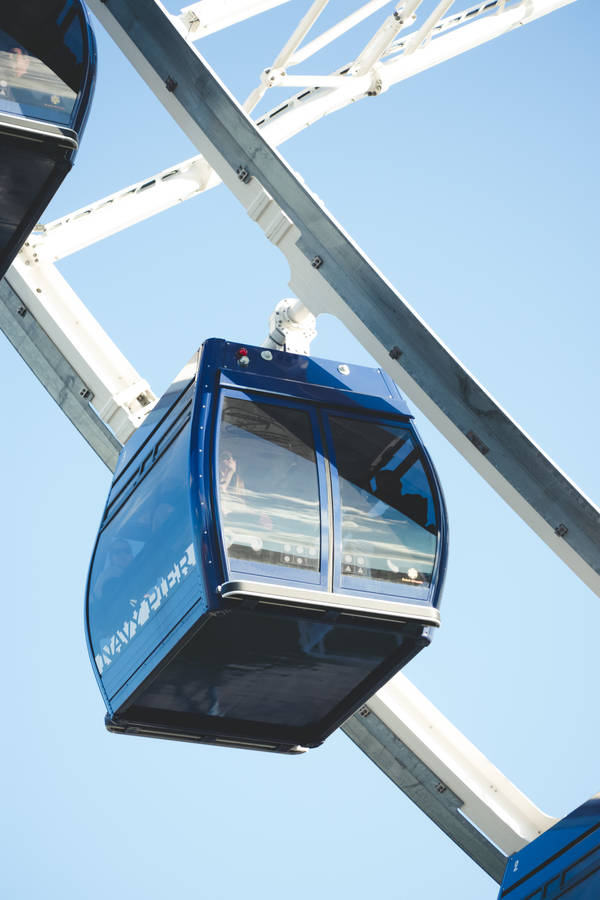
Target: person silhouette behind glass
15 65
27 86
237 502
229 477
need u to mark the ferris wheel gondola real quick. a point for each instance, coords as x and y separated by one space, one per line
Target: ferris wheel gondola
47 73
272 551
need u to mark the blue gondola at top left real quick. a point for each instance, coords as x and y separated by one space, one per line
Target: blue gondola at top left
272 551
47 76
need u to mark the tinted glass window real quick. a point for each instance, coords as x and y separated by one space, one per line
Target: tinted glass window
72 28
268 488
144 558
42 61
389 528
283 670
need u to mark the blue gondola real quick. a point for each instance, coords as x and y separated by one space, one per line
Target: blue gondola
47 73
272 551
563 862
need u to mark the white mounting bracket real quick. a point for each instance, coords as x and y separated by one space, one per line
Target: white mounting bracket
292 327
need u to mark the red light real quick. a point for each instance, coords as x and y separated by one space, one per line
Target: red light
242 352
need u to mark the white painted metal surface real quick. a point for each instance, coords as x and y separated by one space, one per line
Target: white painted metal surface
490 800
441 771
207 16
120 396
292 327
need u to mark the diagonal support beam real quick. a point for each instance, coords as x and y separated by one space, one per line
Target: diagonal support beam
445 775
57 375
59 339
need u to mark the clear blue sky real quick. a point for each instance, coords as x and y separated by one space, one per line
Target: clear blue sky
474 189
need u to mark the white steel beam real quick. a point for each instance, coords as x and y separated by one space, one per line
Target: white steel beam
431 44
426 30
446 775
401 18
473 33
55 373
336 31
284 55
121 398
58 239
207 16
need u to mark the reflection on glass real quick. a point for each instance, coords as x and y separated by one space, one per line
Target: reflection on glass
282 669
144 557
28 87
389 529
268 489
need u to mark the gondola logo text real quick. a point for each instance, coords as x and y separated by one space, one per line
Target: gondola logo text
144 610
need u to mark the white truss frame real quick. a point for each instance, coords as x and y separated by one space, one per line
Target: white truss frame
106 399
439 39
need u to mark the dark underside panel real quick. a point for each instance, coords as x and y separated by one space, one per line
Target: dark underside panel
30 174
275 676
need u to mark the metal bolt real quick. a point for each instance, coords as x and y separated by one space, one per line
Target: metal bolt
477 442
396 352
317 262
170 84
561 530
243 174
22 311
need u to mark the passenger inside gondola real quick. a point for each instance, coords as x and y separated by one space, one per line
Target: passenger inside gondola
287 554
388 518
29 87
14 64
229 477
268 490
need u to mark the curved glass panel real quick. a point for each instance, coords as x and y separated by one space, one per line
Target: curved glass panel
268 486
143 560
389 525
42 60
